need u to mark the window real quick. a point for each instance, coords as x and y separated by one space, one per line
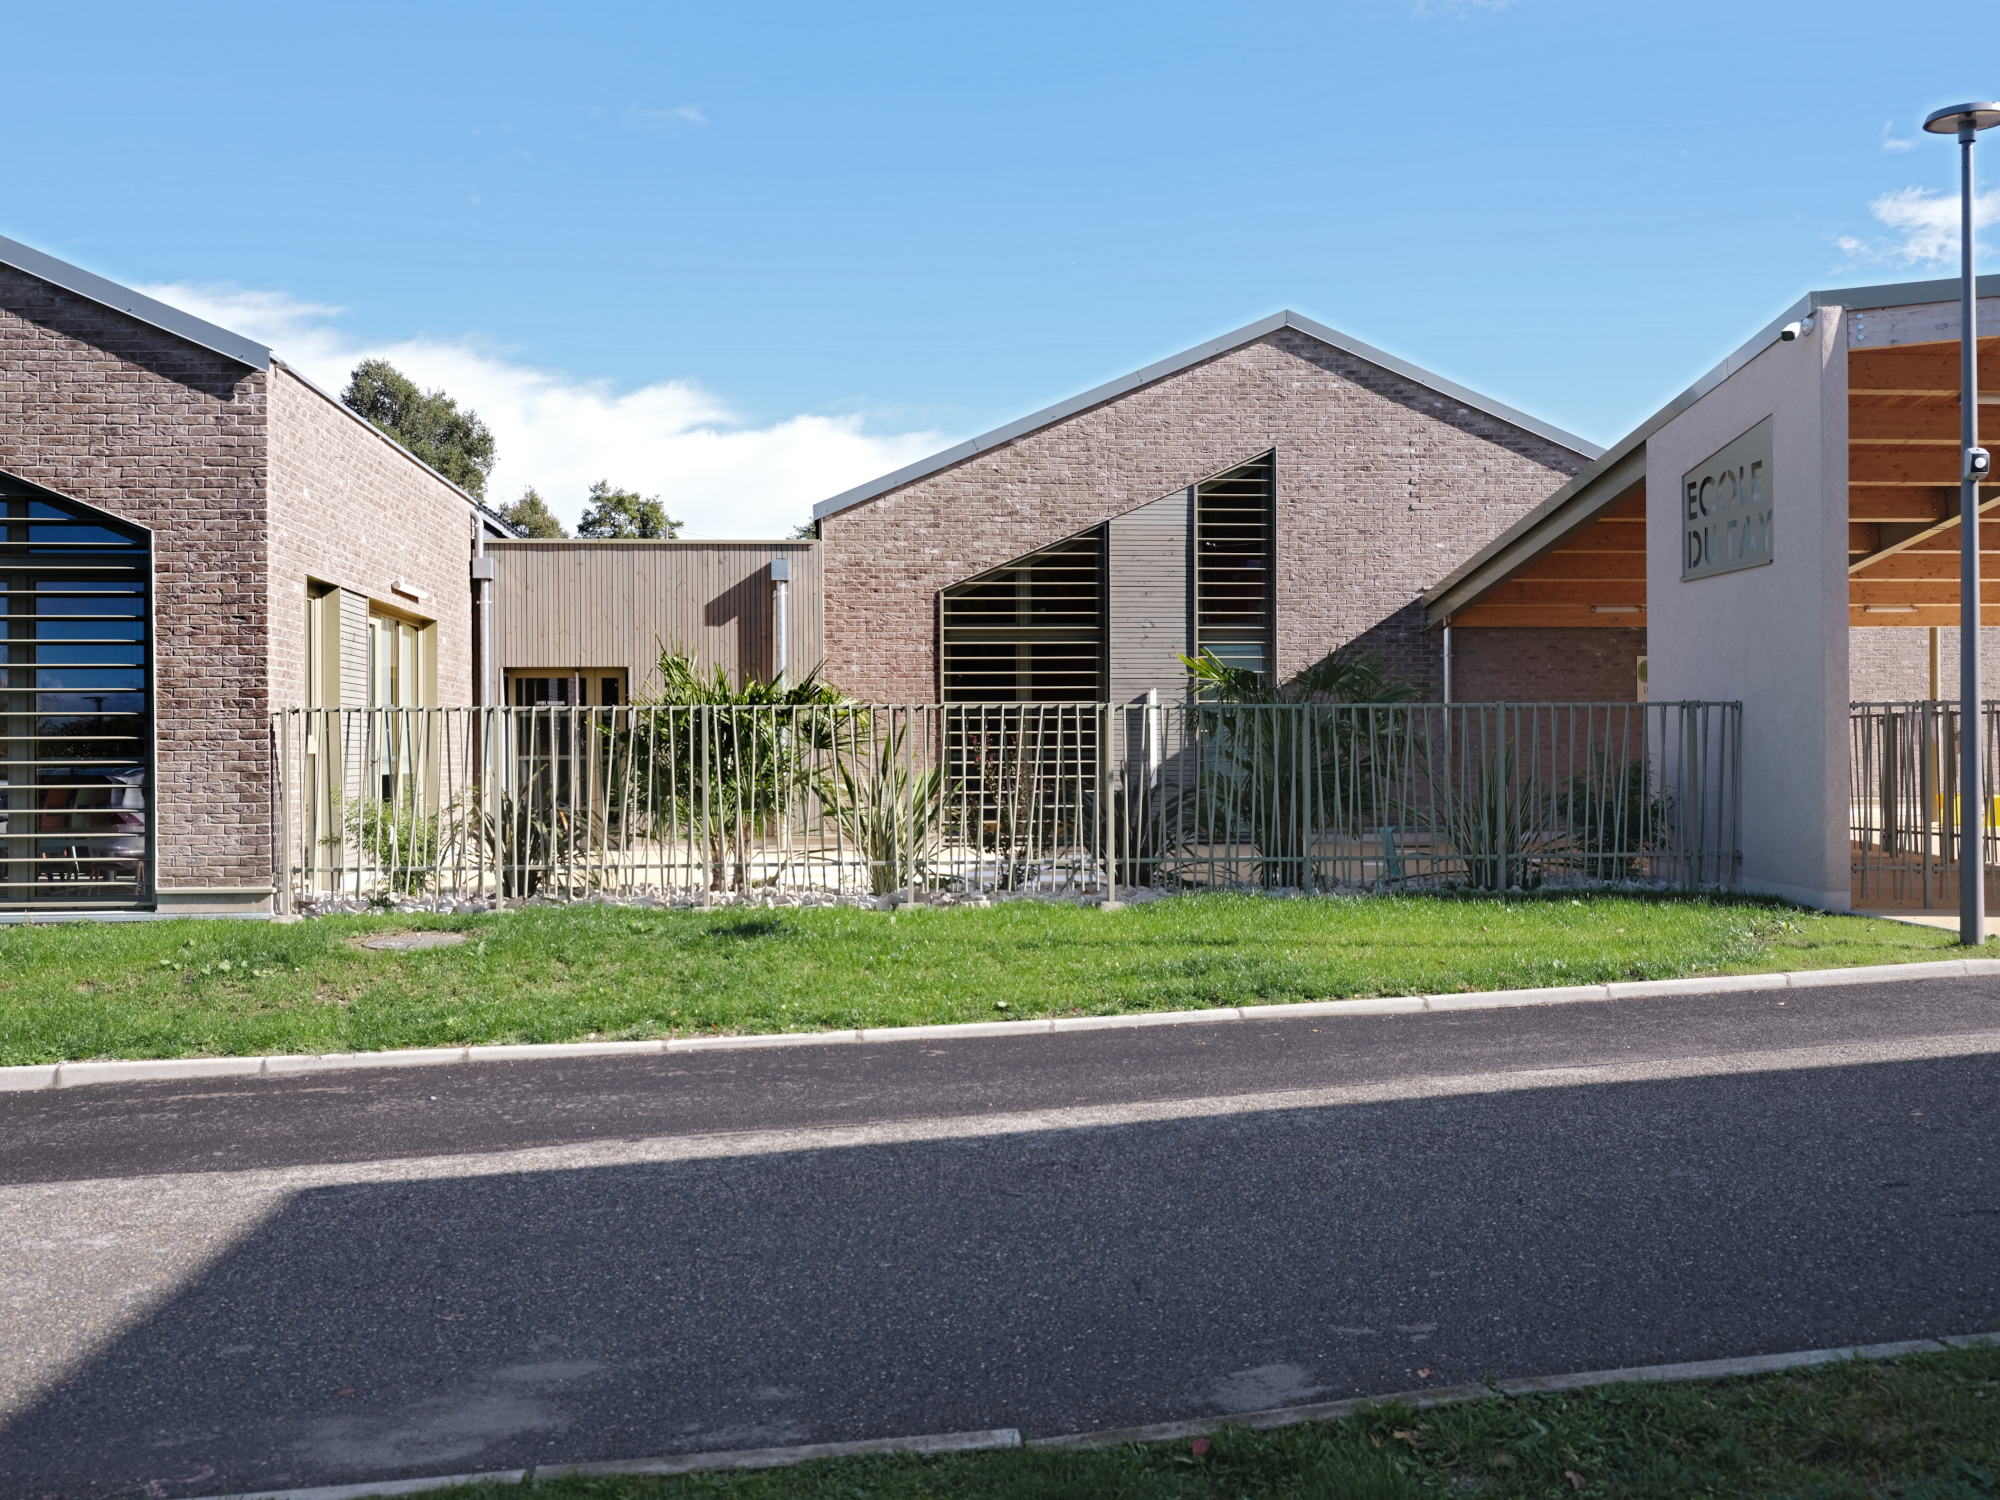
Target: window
402 669
76 815
1234 586
1031 631
322 645
582 687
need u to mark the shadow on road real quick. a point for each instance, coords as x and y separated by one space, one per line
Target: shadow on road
1055 1281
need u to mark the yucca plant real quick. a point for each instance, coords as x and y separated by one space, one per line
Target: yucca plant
1613 816
1295 759
529 841
1494 822
889 806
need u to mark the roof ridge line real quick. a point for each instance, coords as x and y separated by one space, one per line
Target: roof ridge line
1186 359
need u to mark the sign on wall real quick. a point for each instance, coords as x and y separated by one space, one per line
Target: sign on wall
1726 508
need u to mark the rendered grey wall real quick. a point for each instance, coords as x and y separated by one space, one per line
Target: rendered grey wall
1775 637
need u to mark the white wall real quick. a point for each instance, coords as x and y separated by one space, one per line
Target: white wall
1776 637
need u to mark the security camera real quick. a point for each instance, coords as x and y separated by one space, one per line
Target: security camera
1790 331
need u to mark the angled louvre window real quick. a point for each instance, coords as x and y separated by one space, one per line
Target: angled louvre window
1031 630
76 796
1234 592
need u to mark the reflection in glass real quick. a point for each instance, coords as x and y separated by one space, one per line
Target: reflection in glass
75 809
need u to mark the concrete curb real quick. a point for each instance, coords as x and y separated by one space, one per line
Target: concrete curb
1009 1437
74 1074
1709 1369
686 1463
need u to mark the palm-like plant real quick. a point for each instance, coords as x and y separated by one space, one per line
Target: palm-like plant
1294 759
1496 823
889 806
724 760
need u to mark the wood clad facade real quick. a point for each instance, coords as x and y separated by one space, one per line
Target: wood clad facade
568 605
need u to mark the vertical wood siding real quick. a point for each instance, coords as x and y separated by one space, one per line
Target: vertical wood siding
563 605
1149 610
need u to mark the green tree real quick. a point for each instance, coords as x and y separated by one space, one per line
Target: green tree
455 443
621 513
531 516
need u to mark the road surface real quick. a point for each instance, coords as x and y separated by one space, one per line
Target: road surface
326 1278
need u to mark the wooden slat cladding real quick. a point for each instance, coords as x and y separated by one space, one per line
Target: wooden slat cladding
1148 599
1234 554
1902 464
568 604
1031 630
1596 578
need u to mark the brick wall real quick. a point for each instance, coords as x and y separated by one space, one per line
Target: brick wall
1552 664
124 416
1891 663
350 508
1383 487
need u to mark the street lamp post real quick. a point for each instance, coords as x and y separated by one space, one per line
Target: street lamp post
1966 121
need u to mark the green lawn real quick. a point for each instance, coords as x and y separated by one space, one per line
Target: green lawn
169 989
1925 1427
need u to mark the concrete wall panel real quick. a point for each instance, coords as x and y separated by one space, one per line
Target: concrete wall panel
1774 637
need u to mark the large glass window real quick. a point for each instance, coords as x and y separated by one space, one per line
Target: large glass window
76 799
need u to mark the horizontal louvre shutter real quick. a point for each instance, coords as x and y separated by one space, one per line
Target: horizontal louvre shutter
1031 631
1235 610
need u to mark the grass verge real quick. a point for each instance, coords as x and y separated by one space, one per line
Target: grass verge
70 991
1924 1427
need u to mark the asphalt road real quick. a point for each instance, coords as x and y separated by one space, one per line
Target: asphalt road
326 1278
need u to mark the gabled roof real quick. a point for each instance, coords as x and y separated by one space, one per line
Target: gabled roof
134 304
1182 361
1618 469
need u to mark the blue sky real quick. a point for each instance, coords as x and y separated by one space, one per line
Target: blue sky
747 255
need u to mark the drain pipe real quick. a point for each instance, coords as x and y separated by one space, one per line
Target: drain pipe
482 577
1447 662
781 577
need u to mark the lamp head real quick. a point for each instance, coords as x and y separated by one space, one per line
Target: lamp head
1959 118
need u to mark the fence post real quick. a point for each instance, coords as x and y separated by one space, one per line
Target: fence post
284 870
1109 835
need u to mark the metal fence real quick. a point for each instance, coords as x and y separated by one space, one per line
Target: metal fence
1904 805
1082 798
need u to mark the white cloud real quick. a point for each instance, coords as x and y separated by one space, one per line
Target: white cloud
673 438
1926 227
1893 142
635 118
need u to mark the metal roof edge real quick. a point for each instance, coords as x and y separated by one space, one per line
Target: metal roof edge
1173 365
133 304
1443 387
1755 345
354 416
1615 475
1901 293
